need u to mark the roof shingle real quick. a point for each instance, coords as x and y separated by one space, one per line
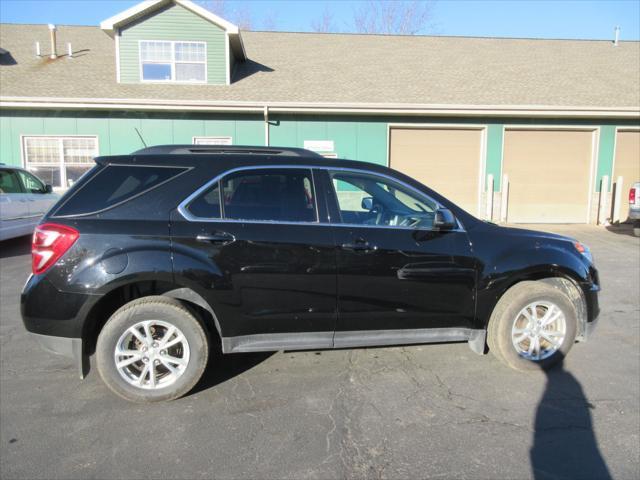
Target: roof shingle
346 68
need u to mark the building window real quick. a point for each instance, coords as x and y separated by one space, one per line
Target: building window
59 161
162 61
212 141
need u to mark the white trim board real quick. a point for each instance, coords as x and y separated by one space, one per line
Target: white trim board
615 149
306 107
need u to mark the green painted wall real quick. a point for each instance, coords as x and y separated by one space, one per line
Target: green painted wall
605 154
173 23
495 133
362 138
116 132
356 138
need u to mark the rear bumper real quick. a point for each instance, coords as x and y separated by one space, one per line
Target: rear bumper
48 311
57 330
634 214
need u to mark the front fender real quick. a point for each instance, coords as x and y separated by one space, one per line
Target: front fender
529 259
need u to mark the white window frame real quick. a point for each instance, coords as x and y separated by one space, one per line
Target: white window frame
219 139
61 163
172 62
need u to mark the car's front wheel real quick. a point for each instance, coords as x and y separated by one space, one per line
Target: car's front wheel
532 327
152 349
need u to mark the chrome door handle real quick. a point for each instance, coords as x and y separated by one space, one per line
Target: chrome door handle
359 245
221 238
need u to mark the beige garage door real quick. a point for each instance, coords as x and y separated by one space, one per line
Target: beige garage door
549 172
627 164
446 160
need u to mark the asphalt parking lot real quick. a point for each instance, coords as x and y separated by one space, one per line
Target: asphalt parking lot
436 411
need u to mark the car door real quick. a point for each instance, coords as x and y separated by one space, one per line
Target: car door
14 206
252 245
399 279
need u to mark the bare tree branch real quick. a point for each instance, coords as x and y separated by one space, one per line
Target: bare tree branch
270 21
243 18
324 24
236 12
393 17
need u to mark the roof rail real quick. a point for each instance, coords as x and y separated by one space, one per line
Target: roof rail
225 149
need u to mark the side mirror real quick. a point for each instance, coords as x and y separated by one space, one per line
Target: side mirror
367 203
48 188
444 220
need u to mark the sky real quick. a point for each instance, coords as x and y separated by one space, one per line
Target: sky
584 19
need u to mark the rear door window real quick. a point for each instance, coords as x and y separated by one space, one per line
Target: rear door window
284 195
114 185
273 195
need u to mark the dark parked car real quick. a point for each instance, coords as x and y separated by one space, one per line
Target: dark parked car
150 256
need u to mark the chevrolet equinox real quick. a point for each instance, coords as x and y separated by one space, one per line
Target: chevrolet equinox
151 256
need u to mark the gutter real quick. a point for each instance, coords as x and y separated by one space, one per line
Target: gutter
314 108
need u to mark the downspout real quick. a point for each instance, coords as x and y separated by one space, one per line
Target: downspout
266 126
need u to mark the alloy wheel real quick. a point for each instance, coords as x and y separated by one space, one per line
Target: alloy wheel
151 354
539 330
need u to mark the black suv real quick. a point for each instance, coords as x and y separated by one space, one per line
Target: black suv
151 256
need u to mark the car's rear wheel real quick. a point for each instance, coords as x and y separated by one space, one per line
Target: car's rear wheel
152 349
532 327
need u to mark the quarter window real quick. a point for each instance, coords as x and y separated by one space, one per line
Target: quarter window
365 199
59 161
115 185
163 61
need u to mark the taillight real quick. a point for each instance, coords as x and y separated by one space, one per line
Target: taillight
632 195
50 242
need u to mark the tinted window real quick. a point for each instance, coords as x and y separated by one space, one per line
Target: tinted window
9 182
114 185
207 205
270 194
369 200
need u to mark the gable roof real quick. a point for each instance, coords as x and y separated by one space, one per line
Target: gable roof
343 72
148 7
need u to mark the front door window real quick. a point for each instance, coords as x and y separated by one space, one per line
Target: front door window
365 199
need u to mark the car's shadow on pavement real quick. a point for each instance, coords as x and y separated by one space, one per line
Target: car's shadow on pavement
15 247
621 229
222 368
564 444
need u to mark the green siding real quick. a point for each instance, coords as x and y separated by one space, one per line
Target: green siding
116 132
495 133
354 139
178 24
605 154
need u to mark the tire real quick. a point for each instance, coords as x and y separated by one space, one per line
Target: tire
177 367
507 316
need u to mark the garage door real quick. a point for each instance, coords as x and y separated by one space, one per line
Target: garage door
627 164
446 160
549 174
